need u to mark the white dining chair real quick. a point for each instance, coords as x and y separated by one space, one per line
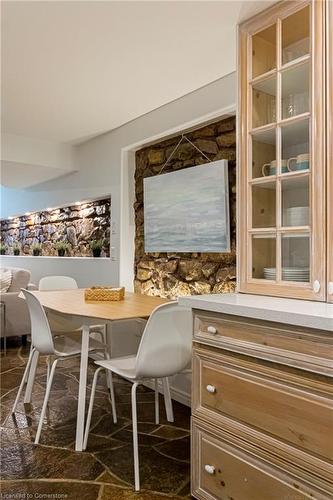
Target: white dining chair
62 347
165 350
64 324
57 283
59 325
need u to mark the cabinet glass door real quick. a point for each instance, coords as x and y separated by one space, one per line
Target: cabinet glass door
282 153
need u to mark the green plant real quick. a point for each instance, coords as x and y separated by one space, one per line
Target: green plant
62 247
96 247
3 249
16 249
36 249
96 244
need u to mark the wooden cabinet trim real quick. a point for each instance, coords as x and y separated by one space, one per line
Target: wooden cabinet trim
269 16
329 135
270 390
286 464
267 340
318 385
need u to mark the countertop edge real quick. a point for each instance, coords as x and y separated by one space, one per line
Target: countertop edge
263 313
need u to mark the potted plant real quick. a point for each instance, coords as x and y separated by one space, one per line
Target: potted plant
16 249
96 247
36 249
61 247
3 249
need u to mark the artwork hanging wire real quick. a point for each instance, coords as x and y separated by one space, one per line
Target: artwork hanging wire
183 138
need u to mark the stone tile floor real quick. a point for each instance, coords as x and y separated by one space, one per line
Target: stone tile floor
105 470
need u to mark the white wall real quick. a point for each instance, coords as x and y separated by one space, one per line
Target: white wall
85 270
20 149
99 160
26 161
99 163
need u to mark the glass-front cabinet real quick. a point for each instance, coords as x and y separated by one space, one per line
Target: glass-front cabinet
282 205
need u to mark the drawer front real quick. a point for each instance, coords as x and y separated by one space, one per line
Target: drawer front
222 471
296 346
228 387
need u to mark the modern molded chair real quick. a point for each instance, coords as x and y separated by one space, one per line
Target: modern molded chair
165 350
57 283
57 325
60 348
60 325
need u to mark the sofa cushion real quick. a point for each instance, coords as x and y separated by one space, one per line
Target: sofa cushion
20 278
5 280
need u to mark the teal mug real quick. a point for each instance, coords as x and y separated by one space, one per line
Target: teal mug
300 162
272 168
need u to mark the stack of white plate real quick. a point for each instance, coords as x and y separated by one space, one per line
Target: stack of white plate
296 216
288 273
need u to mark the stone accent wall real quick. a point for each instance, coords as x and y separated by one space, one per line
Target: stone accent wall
76 225
175 274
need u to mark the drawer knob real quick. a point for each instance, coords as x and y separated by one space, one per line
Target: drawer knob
211 329
210 469
211 388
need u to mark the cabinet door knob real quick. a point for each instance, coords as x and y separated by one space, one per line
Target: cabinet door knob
316 286
211 388
211 329
210 469
330 288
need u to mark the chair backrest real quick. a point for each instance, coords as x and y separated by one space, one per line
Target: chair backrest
57 283
166 345
41 336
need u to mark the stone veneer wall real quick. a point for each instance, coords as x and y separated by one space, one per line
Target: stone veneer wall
175 274
76 224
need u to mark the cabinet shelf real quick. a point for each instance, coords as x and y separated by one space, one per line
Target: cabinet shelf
289 65
265 76
280 123
296 62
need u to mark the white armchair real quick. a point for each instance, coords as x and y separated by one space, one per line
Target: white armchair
15 319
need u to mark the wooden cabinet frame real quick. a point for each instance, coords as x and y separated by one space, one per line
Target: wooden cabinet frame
317 182
329 86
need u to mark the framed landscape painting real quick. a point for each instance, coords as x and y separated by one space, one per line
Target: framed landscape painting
188 210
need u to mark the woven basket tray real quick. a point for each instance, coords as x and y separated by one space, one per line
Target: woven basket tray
101 293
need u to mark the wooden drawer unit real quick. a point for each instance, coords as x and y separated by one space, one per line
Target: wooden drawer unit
286 403
225 471
304 348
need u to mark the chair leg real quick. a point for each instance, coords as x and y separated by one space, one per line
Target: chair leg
46 398
113 400
135 438
109 381
90 409
168 400
31 378
47 369
26 371
104 334
107 356
157 406
101 333
27 374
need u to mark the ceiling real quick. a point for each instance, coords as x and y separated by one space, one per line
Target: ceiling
75 69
